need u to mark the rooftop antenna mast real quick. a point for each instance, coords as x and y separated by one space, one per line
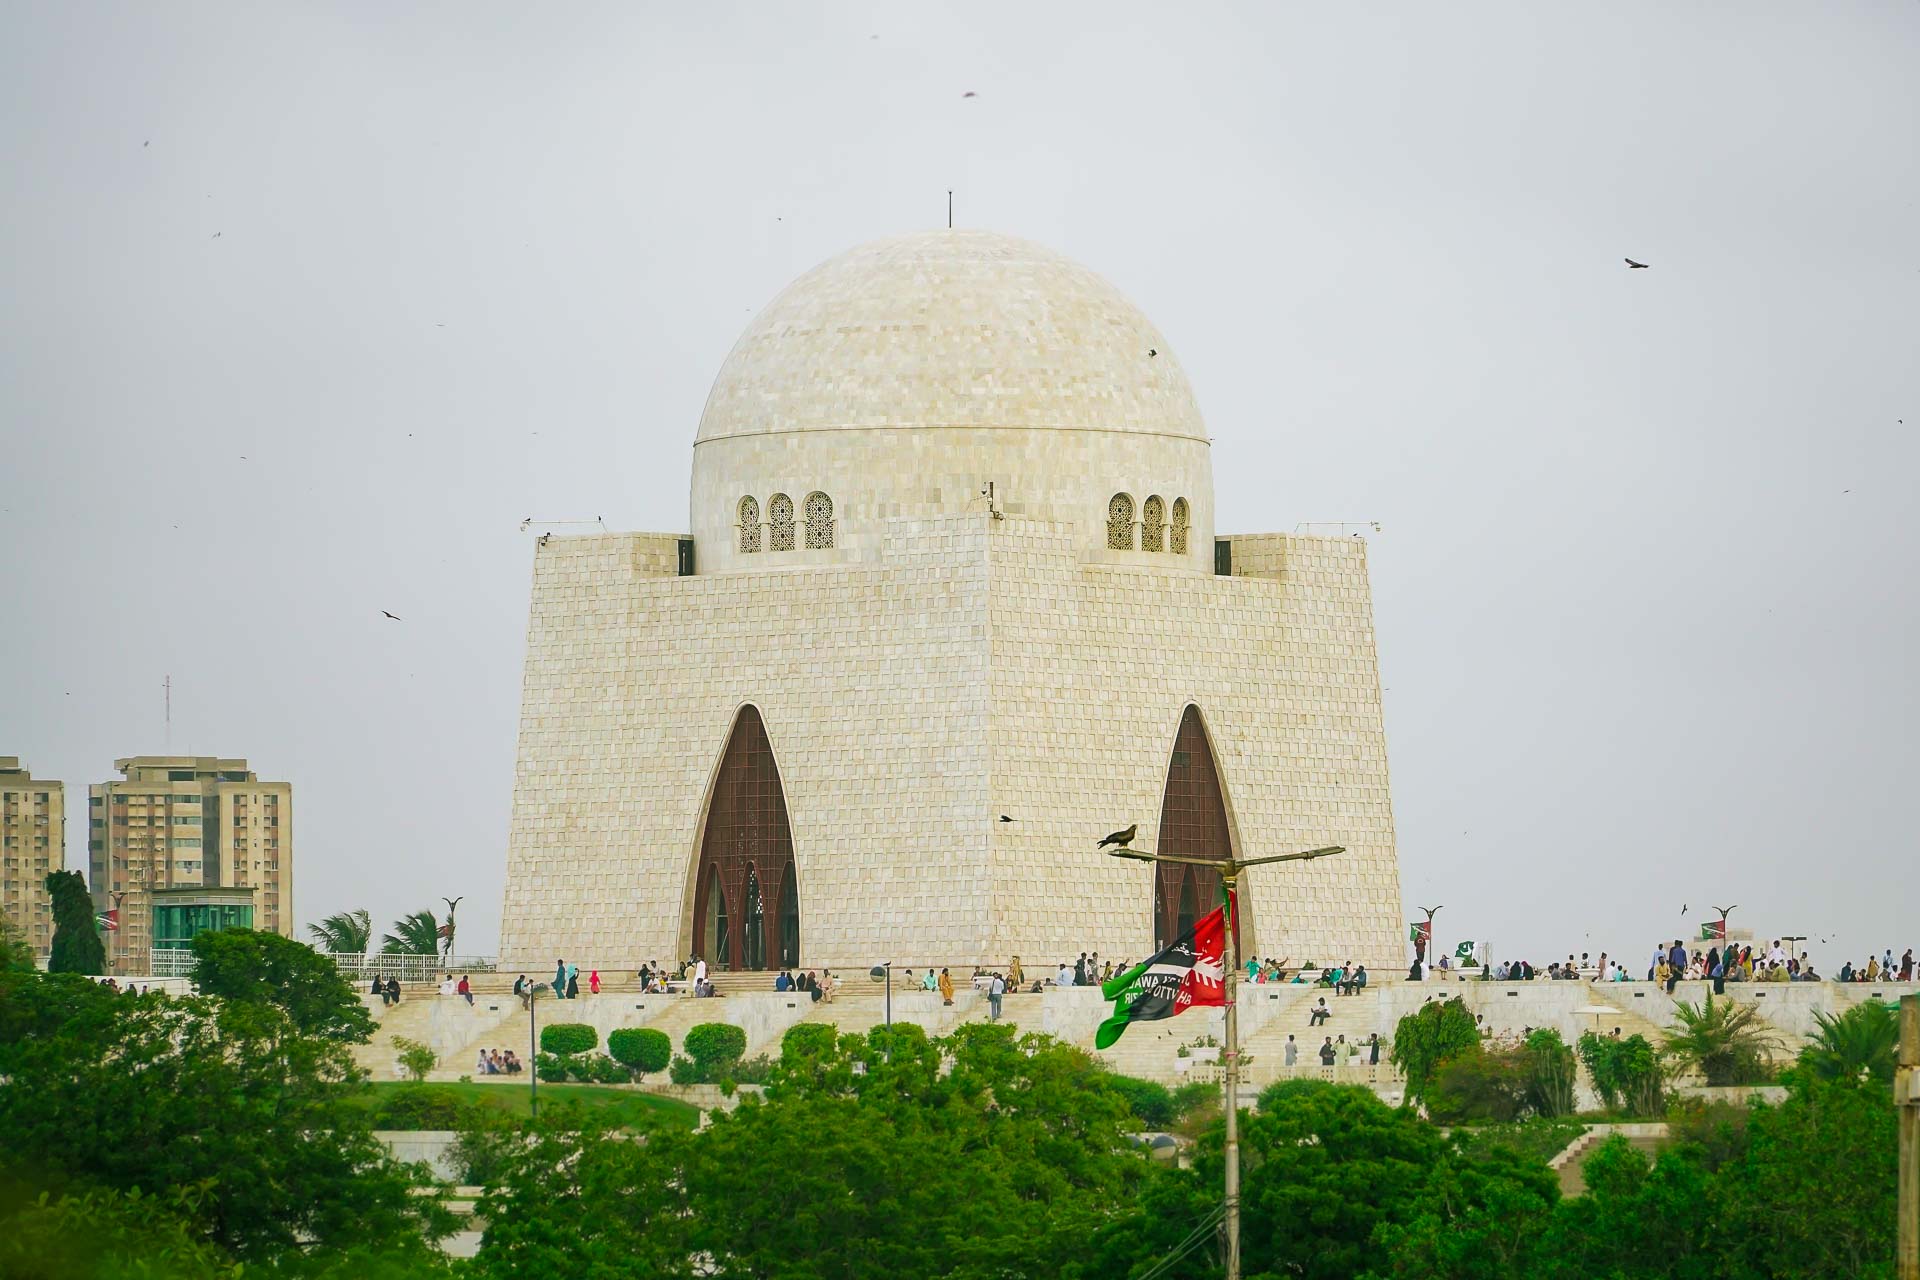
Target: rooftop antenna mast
949 210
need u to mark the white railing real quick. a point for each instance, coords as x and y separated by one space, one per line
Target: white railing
410 968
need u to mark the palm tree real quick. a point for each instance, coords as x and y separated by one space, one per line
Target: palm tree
1728 1042
417 934
345 933
1858 1044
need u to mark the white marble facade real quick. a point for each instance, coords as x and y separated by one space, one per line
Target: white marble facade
955 654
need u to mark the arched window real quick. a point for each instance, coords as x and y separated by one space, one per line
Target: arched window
1120 522
1193 823
746 912
749 524
1180 520
1153 523
779 523
819 521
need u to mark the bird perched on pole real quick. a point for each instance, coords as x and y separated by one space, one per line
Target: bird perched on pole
1121 838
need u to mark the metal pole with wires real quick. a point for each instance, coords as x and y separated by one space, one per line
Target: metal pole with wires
1229 868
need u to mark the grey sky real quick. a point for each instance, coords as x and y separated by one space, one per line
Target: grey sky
1643 646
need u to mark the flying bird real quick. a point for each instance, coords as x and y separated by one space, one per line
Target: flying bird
1151 353
1005 818
394 616
1637 266
969 94
147 143
216 235
1121 838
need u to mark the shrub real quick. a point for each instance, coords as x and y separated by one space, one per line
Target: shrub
1538 1138
1193 1096
755 1070
417 1058
715 1046
550 1067
601 1069
568 1037
643 1049
1718 1129
684 1070
421 1107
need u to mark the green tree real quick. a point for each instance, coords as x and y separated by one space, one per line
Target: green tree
1550 1070
1327 1170
265 968
15 954
1637 1219
417 934
347 933
76 938
416 1056
1729 1043
94 1233
1480 1084
153 1093
571 1198
1626 1073
1813 1198
1436 1032
1859 1044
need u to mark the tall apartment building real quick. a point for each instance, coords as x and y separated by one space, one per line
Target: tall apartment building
33 841
183 822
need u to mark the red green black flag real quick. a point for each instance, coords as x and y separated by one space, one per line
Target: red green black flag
1188 972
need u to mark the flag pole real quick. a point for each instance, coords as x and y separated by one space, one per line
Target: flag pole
1229 876
1229 868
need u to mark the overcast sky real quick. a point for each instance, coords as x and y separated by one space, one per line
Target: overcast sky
304 307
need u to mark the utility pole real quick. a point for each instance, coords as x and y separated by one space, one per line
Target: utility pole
1906 1099
1230 869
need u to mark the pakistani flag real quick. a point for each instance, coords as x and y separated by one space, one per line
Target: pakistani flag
1188 972
1464 951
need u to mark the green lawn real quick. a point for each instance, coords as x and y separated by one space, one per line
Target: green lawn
437 1106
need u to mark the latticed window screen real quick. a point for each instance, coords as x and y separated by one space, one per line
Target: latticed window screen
1153 523
1120 522
780 523
749 525
1179 532
742 915
1193 822
819 521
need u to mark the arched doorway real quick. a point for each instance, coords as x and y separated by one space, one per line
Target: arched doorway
1193 822
746 911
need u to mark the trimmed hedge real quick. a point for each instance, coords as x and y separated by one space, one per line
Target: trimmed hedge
568 1037
716 1046
641 1048
550 1067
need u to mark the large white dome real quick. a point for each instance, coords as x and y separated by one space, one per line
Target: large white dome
950 328
925 377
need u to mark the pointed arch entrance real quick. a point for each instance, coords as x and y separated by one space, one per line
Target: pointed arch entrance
1193 822
746 910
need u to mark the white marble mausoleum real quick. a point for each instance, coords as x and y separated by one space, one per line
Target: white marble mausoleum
953 605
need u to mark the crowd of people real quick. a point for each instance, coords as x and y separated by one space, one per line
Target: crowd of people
497 1062
1674 962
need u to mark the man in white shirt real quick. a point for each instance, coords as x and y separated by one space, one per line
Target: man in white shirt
1065 977
996 988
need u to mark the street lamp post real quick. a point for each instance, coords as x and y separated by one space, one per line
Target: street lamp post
884 973
1230 869
533 1047
1429 949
